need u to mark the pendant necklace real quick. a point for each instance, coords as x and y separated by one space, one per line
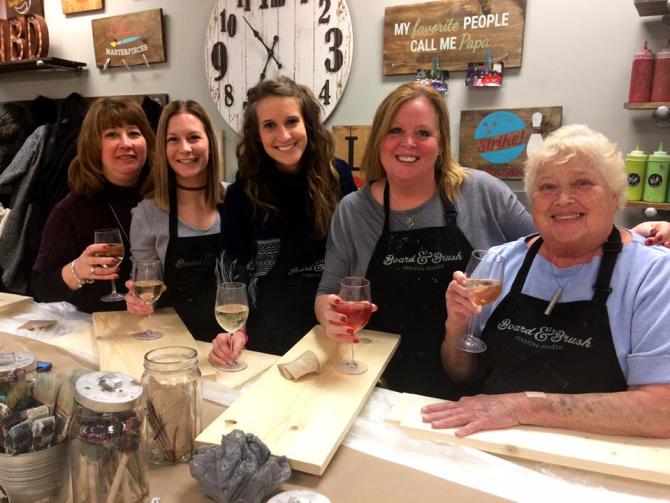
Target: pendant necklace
408 217
118 222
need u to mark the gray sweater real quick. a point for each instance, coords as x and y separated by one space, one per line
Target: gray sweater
150 231
489 214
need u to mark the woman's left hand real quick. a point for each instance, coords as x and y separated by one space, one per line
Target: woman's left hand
656 233
474 413
227 347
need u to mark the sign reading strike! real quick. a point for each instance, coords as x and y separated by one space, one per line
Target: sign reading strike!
456 31
498 141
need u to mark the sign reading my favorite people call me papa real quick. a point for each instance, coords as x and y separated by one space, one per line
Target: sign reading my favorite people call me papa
456 31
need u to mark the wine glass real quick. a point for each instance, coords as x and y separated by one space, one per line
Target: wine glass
231 311
356 306
148 286
485 276
111 237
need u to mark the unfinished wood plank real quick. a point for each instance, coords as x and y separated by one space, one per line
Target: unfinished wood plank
119 350
81 340
257 363
11 302
632 457
307 419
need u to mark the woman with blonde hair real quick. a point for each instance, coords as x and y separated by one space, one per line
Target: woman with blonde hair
114 156
278 210
179 223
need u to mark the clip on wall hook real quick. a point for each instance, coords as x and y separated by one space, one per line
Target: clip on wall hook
125 64
107 61
146 61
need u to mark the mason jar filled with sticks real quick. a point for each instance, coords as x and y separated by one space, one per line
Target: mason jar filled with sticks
109 447
173 387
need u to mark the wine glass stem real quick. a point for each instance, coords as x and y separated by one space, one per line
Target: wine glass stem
472 324
353 360
113 286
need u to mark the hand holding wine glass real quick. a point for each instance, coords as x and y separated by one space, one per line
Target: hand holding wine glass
115 250
485 272
357 307
231 311
148 286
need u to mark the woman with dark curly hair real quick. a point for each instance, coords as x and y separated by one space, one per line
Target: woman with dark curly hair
277 213
114 155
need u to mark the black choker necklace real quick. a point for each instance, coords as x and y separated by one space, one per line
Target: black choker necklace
194 189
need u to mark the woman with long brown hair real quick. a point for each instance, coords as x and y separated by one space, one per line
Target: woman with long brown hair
277 213
179 223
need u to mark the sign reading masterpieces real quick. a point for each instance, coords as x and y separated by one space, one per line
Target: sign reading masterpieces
130 39
498 141
456 31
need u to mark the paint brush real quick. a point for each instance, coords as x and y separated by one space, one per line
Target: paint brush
43 432
45 390
19 439
19 397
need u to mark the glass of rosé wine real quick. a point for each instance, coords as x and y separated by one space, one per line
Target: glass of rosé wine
356 306
485 272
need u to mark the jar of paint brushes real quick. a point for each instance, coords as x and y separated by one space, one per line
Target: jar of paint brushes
109 443
173 388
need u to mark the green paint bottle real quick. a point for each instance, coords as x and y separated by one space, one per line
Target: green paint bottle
656 183
636 166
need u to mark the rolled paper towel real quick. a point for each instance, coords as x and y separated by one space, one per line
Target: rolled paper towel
305 364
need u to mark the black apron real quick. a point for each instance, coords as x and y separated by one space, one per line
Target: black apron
284 309
569 351
409 273
190 278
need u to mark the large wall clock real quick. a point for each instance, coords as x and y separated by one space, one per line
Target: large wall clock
309 41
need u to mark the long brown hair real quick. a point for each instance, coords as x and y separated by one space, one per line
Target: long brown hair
449 175
316 162
85 173
163 178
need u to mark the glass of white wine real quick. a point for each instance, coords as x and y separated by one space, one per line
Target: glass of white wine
116 250
485 272
148 286
231 310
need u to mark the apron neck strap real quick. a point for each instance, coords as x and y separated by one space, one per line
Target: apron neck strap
611 249
527 262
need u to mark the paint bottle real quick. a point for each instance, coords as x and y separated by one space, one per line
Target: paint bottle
660 88
656 178
636 166
641 76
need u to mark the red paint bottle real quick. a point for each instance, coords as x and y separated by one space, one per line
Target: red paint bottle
660 89
641 76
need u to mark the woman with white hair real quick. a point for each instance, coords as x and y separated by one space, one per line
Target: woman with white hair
596 360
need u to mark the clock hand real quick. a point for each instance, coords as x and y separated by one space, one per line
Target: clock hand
271 51
260 39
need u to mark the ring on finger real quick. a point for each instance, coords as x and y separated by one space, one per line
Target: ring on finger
92 270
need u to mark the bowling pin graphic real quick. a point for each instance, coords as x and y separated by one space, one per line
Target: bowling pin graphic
535 139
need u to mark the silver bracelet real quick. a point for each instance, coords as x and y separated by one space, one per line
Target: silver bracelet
80 282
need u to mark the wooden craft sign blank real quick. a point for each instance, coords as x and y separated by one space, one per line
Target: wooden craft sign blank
119 350
350 142
645 459
307 419
457 31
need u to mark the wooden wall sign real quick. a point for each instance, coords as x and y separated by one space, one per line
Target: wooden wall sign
350 142
23 37
456 31
130 39
14 8
76 6
496 141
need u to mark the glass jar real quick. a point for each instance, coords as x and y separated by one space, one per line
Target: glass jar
173 387
16 368
109 447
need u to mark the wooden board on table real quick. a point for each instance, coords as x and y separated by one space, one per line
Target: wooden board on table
632 457
119 350
256 364
10 302
81 340
307 419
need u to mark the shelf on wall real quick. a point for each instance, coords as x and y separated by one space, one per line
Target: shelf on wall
651 7
40 64
645 204
650 105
